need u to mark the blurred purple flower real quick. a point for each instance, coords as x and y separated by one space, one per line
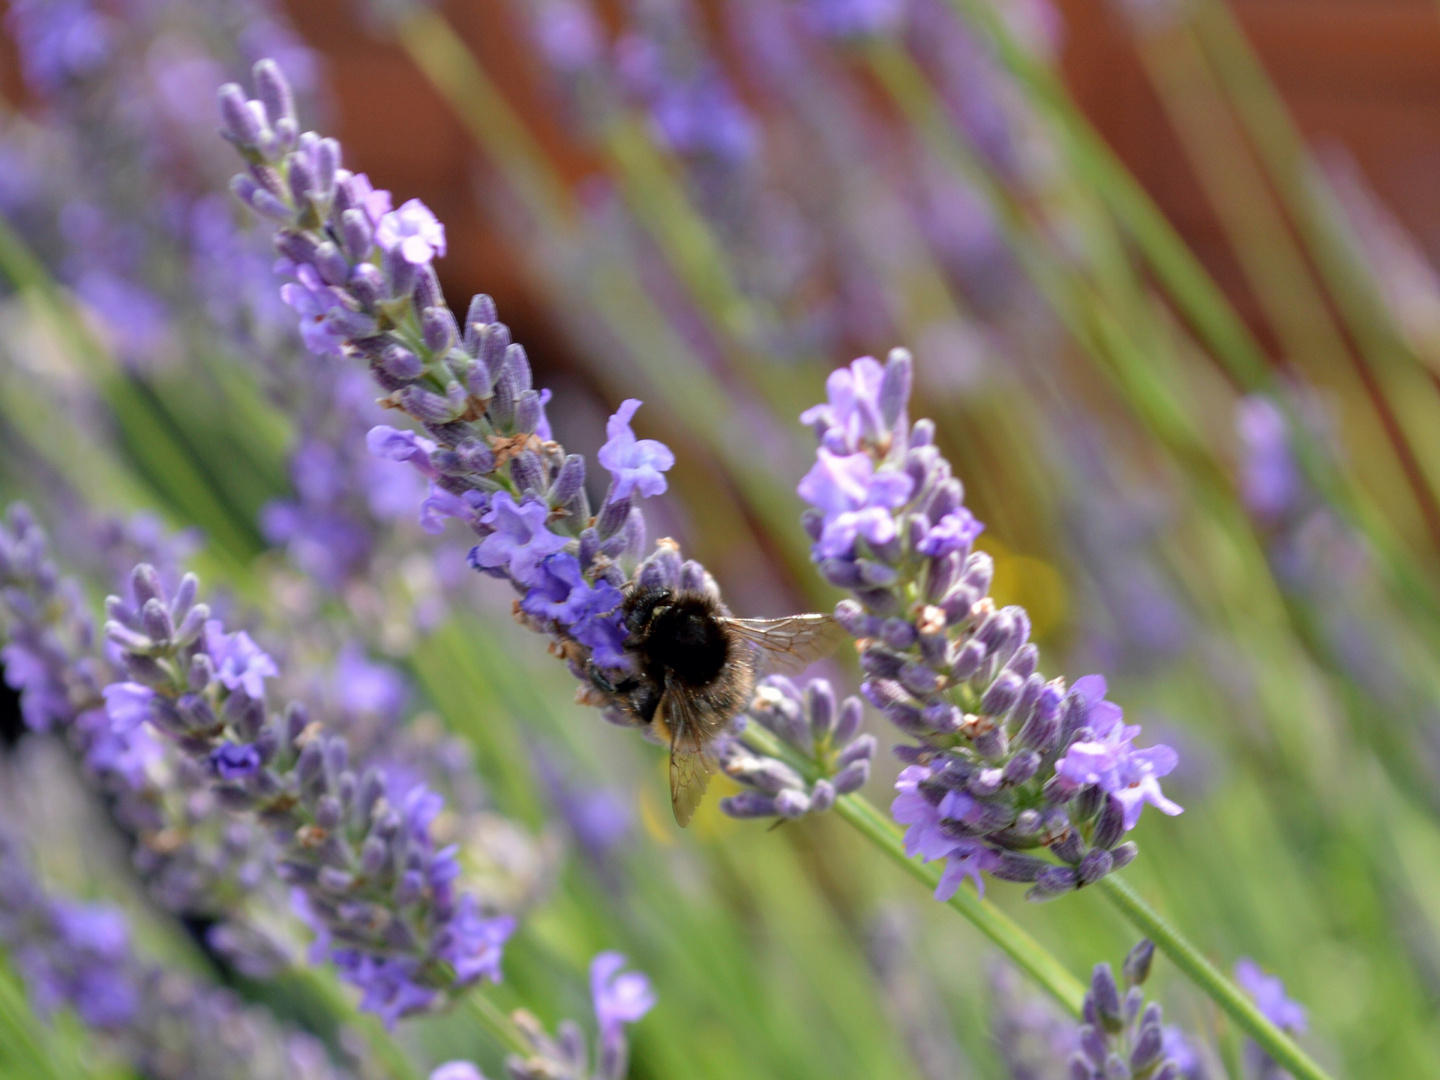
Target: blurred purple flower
230 761
620 997
412 230
1269 994
128 704
239 662
1269 479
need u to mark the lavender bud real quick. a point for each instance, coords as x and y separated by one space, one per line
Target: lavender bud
374 853
357 234
1070 847
427 292
184 598
820 704
968 660
529 410
842 573
1051 882
791 804
612 515
852 777
1122 855
848 721
853 620
635 536
569 481
528 472
297 719
475 456
328 812
155 618
922 433
145 583
399 274
899 634
1149 1048
1106 997
1111 825
331 263
822 796
335 880
274 90
296 246
920 680
941 575
895 386
590 547
1025 660
1017 867
327 164
749 804
201 673
243 125
992 744
877 661
1094 866
943 717
437 328
481 310
1137 964
310 766
986 783
1002 694
1022 767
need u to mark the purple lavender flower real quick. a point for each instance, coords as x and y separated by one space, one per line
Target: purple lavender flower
1269 478
239 662
128 705
854 500
313 301
1269 994
620 997
60 40
413 232
1006 762
1109 761
1123 1036
520 540
371 881
824 732
634 464
590 613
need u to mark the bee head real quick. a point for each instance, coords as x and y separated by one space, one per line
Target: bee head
641 607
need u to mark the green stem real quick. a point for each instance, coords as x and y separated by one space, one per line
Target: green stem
1208 978
1013 940
496 1024
876 827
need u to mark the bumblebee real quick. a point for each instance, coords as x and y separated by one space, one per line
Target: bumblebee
694 671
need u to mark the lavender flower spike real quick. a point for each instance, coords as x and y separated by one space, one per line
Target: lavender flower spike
1003 763
365 871
620 998
1122 1036
823 732
1269 994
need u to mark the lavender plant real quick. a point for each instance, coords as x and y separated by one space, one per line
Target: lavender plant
1004 763
365 868
163 1023
619 998
1123 1037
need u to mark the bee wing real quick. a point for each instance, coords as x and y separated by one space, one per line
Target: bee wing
793 642
691 761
